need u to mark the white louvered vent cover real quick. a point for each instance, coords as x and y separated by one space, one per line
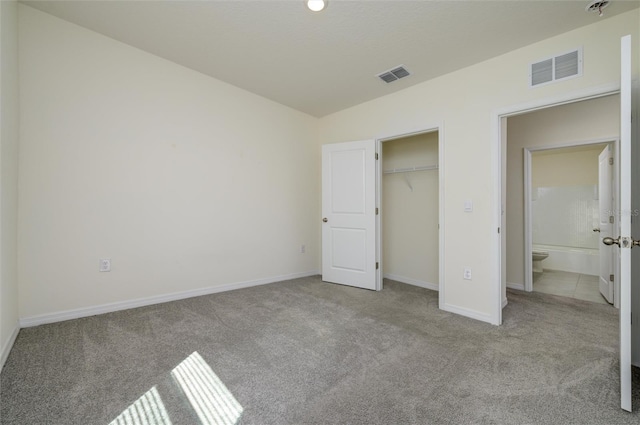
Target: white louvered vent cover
394 74
561 67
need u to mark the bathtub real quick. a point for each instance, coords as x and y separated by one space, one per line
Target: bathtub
569 259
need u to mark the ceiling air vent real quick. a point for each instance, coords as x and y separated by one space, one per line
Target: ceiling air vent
560 67
394 74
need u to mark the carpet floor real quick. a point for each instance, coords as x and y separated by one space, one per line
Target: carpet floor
307 352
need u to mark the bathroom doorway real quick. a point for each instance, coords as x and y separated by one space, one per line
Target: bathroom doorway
569 204
582 126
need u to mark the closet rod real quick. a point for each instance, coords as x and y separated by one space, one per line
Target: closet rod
411 169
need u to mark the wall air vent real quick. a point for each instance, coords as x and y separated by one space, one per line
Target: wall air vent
560 67
394 74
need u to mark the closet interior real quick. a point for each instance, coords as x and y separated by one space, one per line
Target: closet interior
410 209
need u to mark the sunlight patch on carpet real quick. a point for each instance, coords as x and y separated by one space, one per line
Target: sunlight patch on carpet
212 401
147 410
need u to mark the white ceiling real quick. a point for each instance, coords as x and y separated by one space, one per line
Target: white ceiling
320 63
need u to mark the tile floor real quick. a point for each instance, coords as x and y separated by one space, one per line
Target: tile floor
567 284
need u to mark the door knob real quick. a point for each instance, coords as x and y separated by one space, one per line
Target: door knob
610 241
325 219
622 242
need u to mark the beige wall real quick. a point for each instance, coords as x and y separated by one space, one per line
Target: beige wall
582 121
410 210
127 156
565 167
465 102
8 176
184 182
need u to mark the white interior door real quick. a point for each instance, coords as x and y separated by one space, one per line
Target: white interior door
349 216
605 225
624 240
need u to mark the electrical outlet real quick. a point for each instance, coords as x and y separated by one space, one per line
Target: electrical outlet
467 273
303 249
105 264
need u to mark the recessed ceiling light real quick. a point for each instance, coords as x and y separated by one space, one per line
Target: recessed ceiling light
316 5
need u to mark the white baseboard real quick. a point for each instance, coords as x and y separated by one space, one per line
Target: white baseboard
60 316
518 286
410 281
472 314
504 302
6 349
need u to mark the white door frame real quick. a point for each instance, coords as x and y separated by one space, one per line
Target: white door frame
379 141
626 150
528 217
498 151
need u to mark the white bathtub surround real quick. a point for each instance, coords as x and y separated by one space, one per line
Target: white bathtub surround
565 216
569 259
563 221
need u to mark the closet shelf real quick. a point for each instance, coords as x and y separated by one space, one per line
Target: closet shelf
411 169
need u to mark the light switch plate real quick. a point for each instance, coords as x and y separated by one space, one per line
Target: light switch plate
467 273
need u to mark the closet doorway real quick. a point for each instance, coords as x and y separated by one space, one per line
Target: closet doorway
411 199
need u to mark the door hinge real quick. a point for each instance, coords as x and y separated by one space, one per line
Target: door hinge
611 219
611 278
376 155
377 265
610 161
376 210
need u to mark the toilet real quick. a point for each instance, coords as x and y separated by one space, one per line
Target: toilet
538 256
